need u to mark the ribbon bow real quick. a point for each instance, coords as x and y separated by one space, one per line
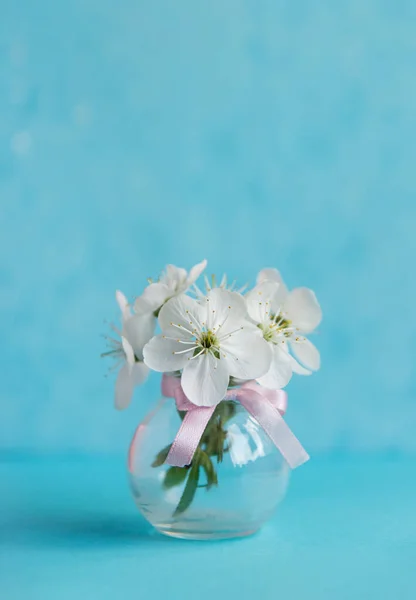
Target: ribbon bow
266 406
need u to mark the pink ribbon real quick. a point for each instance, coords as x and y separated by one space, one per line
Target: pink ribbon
266 406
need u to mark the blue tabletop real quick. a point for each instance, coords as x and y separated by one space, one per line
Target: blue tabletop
346 530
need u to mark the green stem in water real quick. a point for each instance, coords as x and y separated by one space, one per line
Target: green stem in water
189 490
212 445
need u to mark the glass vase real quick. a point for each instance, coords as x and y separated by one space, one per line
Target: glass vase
234 484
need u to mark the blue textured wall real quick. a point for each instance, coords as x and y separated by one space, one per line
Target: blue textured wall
254 134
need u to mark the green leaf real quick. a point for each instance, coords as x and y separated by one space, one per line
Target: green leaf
222 436
208 466
161 457
174 476
182 414
190 489
228 410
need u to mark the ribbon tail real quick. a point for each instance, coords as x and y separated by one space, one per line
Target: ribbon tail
270 419
188 437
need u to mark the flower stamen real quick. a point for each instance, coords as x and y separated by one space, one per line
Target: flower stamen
190 343
184 351
182 328
228 335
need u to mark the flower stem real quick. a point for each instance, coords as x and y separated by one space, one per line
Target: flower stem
213 445
189 490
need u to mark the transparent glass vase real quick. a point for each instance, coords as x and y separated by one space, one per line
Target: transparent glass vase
234 484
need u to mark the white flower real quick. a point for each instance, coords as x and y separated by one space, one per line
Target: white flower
283 317
210 340
135 333
223 284
173 282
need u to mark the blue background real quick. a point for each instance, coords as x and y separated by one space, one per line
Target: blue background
253 134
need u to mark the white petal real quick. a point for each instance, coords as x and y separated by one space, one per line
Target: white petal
226 310
139 373
123 304
138 329
247 354
261 300
184 311
274 275
303 310
124 388
307 353
296 367
195 272
159 354
205 380
174 277
280 371
152 298
128 351
198 293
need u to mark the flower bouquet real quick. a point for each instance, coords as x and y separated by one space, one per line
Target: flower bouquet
214 461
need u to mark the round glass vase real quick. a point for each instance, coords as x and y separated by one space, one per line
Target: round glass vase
233 485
